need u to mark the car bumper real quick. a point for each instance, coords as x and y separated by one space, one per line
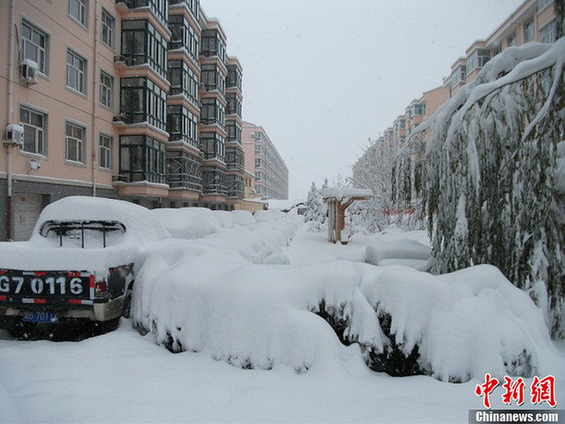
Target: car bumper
99 312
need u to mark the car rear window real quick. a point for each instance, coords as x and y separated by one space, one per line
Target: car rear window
83 234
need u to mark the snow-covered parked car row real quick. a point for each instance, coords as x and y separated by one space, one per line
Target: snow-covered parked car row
204 280
81 260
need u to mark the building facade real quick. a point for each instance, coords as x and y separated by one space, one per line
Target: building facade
129 99
264 161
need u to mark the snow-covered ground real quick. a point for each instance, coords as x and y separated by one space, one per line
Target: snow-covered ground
126 377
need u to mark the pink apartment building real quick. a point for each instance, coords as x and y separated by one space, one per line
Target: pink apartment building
130 99
533 21
264 161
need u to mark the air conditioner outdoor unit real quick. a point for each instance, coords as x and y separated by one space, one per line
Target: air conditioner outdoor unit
29 71
14 134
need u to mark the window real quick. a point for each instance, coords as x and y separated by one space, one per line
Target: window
234 77
548 34
35 126
213 45
212 145
529 30
106 90
418 110
141 100
183 36
233 129
75 143
234 104
212 112
78 9
477 59
108 23
511 40
142 158
214 181
183 171
212 79
76 72
143 43
183 80
182 125
235 159
35 45
106 151
258 163
235 186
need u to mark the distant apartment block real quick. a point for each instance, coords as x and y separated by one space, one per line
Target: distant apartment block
533 21
264 161
130 99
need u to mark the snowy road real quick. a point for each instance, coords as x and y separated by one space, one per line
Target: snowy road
124 377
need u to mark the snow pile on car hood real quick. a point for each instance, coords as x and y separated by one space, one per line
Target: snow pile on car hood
40 253
193 297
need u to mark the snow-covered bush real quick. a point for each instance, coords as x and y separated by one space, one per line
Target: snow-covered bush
491 175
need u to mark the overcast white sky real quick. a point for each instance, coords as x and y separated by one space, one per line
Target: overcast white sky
322 76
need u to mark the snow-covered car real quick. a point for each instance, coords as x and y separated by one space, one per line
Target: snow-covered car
79 263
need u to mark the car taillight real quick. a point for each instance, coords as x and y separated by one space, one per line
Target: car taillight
100 287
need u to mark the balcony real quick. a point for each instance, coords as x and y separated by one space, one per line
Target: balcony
192 5
158 7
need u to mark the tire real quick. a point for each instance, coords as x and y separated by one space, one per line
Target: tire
23 330
126 313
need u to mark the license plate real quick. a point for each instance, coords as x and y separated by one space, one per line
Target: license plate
45 284
41 316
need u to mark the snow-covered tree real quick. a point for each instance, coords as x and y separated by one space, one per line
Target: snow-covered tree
316 210
373 171
491 171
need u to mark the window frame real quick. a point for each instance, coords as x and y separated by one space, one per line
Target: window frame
81 143
551 28
151 98
151 155
105 29
106 153
142 43
107 90
529 29
82 17
42 151
212 145
511 40
182 125
43 64
82 82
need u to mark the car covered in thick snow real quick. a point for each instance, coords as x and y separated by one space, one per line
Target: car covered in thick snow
78 264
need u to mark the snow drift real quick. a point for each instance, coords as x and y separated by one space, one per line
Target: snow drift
401 252
193 297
